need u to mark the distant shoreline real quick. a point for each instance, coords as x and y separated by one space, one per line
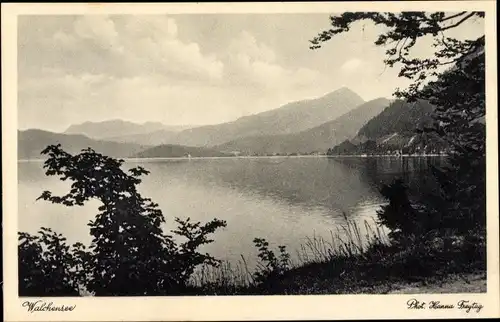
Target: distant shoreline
200 158
386 155
266 157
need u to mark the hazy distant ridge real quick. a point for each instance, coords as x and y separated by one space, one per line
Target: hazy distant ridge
32 142
116 129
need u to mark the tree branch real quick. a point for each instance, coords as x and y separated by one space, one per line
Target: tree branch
458 23
401 48
453 16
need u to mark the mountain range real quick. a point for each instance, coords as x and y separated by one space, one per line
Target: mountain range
317 139
291 118
114 130
302 127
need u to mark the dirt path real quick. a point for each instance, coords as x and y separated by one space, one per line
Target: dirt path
471 283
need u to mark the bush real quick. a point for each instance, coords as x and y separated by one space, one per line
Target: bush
457 209
45 265
271 267
129 253
400 216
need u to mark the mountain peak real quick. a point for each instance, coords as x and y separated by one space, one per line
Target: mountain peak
345 89
344 92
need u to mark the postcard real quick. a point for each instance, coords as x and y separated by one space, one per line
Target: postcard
248 161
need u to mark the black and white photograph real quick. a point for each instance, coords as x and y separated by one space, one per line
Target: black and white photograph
337 152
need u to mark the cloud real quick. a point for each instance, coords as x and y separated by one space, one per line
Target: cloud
122 46
352 65
252 63
100 29
154 39
246 44
130 46
143 68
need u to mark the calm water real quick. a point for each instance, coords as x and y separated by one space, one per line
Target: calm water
284 200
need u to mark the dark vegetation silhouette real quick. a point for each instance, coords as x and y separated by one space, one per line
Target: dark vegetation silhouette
453 81
130 254
431 235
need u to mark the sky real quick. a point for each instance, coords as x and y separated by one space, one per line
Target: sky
190 69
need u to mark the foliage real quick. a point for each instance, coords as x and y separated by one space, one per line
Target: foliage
187 255
271 267
399 215
404 29
45 265
458 94
129 253
348 264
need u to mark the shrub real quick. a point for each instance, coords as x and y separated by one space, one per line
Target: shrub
45 265
270 267
129 253
400 216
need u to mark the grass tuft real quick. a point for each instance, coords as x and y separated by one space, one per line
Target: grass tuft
352 260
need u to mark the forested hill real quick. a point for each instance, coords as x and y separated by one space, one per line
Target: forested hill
394 130
399 117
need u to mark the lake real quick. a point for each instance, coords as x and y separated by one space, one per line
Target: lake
285 200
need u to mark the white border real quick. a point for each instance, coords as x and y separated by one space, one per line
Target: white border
238 307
